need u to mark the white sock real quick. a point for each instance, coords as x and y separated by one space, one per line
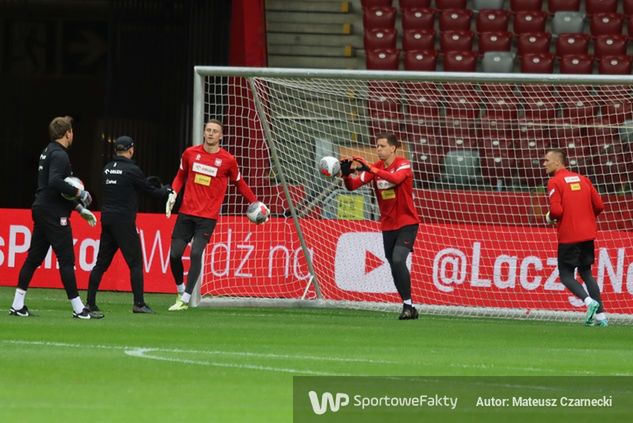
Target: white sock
601 316
185 297
180 288
78 306
18 300
588 301
408 302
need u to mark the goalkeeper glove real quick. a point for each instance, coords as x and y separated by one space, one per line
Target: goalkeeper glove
346 167
171 200
364 166
549 220
87 215
84 198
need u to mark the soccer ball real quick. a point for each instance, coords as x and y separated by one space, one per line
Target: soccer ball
329 166
74 181
257 212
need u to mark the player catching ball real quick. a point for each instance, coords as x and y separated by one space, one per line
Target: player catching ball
392 180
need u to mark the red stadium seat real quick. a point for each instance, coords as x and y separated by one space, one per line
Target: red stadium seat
533 42
492 20
418 39
376 3
426 164
526 5
601 6
455 19
497 166
529 21
579 110
574 93
492 92
628 7
501 110
574 43
385 108
617 111
423 102
420 60
456 40
463 92
629 21
450 4
495 41
615 65
382 59
537 63
563 5
379 17
380 38
609 45
610 171
606 23
539 108
414 3
460 61
416 18
576 64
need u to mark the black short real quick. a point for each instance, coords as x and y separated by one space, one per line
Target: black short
404 237
189 226
578 254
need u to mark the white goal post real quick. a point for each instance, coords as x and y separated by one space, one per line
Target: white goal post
476 144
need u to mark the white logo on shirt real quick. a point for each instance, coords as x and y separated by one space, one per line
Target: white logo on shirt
204 169
570 179
553 190
218 162
383 184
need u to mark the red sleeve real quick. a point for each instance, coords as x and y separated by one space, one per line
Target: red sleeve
352 183
596 200
242 186
555 200
398 176
181 176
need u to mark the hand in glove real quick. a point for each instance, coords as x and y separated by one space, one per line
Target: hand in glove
549 220
364 165
84 198
171 200
87 215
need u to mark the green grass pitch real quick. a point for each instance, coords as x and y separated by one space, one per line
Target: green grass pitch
236 365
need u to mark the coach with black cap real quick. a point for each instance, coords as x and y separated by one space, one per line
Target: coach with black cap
122 180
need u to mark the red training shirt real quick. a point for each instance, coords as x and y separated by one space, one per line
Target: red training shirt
575 203
394 190
205 177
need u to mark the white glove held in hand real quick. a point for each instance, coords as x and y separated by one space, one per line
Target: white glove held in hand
87 215
549 220
171 200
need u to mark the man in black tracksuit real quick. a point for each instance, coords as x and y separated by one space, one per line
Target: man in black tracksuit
122 180
51 224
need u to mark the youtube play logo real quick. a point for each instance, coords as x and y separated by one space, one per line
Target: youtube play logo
360 264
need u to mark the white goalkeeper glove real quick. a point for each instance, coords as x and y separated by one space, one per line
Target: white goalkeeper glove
87 215
171 200
549 220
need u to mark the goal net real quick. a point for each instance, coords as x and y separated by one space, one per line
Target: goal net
476 143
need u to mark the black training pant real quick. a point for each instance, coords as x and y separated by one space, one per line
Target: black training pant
398 244
50 231
115 236
578 255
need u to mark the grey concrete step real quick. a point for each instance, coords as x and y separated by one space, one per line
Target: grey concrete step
336 40
298 50
308 17
306 28
282 61
342 6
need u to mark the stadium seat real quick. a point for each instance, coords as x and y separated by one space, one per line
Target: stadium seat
530 170
574 43
576 64
628 7
539 109
567 22
529 21
579 110
404 4
601 6
462 92
424 133
492 20
418 39
423 102
609 45
495 41
493 92
500 110
497 166
455 19
420 60
382 59
461 167
601 130
460 61
615 65
537 63
617 111
376 3
563 5
610 171
379 17
416 18
487 4
426 164
533 42
380 38
498 61
574 93
450 4
605 23
526 5
456 40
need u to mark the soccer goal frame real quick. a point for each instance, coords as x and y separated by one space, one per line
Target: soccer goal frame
258 84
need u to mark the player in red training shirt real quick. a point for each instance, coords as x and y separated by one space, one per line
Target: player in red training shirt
574 205
205 171
392 180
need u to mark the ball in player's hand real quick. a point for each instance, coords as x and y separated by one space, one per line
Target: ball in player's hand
75 182
329 166
257 212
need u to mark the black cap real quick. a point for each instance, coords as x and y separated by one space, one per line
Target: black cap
123 143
